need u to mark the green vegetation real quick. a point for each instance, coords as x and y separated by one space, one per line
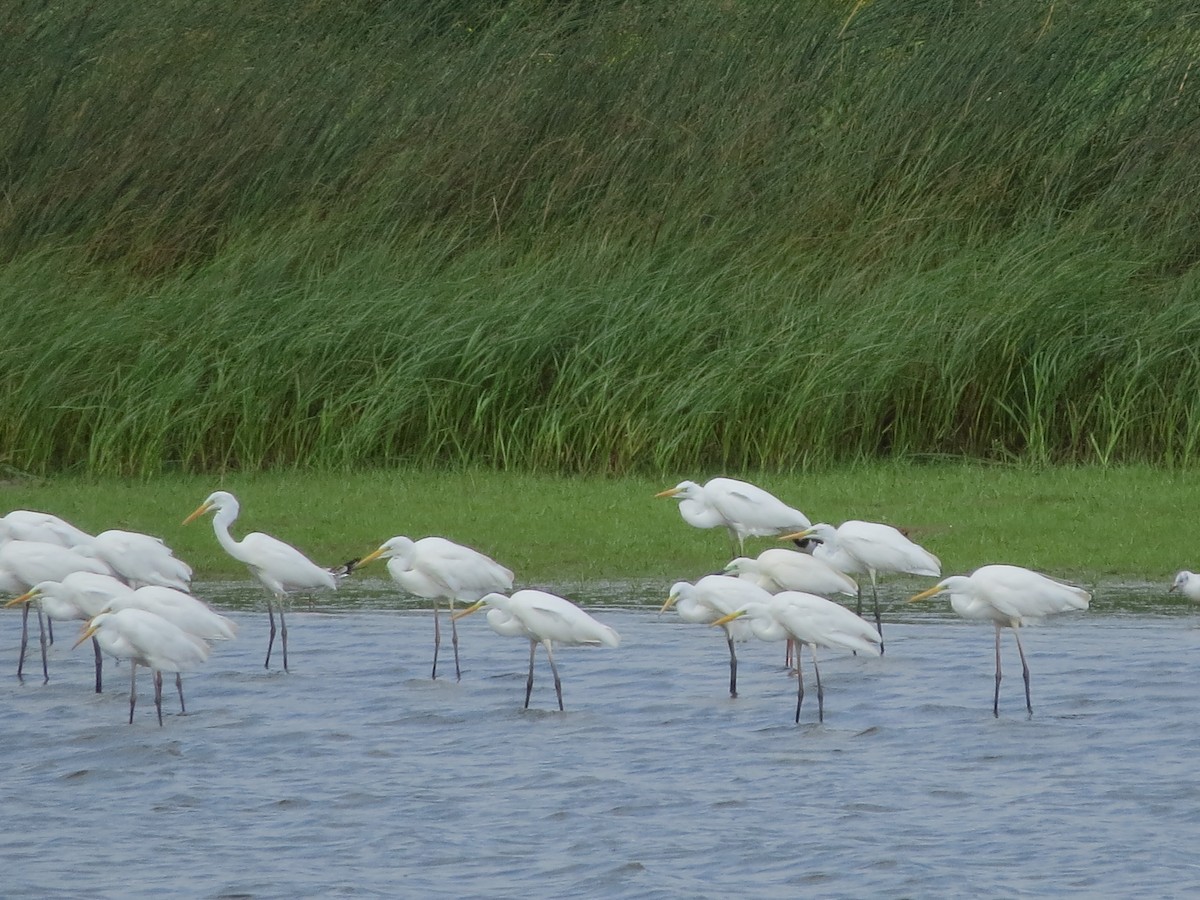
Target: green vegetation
1093 524
596 237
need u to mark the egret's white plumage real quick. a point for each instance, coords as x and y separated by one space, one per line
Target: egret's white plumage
743 508
141 559
29 525
189 613
1009 596
873 548
147 639
545 619
778 570
436 568
712 597
812 621
1188 584
280 568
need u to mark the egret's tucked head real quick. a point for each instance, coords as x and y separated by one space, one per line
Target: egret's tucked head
1181 579
679 590
93 625
739 565
398 547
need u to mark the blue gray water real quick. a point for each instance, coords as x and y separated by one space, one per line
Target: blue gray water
356 775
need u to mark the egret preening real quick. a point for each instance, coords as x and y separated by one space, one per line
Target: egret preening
544 619
280 568
1009 596
79 595
147 639
434 568
812 621
874 548
1188 584
712 597
744 509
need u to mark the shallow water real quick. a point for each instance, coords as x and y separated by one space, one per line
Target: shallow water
356 775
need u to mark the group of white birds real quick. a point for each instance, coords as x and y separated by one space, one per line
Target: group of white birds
134 594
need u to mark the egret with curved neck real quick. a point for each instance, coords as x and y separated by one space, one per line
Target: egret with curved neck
279 567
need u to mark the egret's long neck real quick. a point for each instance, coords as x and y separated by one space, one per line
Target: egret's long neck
767 629
221 522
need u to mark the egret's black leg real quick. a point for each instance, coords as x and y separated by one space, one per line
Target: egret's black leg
799 680
132 689
554 669
529 680
996 700
878 618
283 633
42 638
24 641
1024 669
732 665
437 636
271 636
50 628
820 690
454 642
179 687
158 695
99 663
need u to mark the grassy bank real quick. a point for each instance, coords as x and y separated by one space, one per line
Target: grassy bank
601 238
1091 524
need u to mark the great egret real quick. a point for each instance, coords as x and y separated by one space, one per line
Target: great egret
280 568
712 597
140 559
1009 596
79 595
544 619
744 509
25 563
874 548
434 567
1188 584
812 621
147 639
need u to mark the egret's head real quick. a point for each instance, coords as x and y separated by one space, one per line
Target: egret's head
822 532
398 547
215 500
682 491
1181 580
93 625
954 584
738 566
492 599
679 590
32 594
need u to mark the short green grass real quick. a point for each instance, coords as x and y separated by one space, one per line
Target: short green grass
1089 524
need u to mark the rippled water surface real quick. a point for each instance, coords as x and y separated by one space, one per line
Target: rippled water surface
356 775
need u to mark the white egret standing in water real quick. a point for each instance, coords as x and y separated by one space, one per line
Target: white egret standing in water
809 621
544 619
280 568
433 568
1008 596
877 549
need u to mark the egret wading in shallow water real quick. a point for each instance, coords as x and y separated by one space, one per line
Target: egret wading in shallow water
874 548
712 597
744 509
434 568
778 570
147 639
809 621
1008 596
1188 584
280 568
26 563
544 619
79 595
